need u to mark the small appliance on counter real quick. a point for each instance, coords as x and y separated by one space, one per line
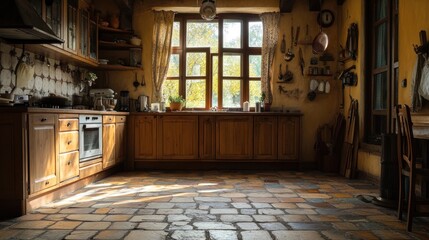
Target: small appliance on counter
124 101
142 104
102 99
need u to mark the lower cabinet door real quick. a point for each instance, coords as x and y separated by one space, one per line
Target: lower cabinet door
265 137
43 150
234 137
289 138
108 145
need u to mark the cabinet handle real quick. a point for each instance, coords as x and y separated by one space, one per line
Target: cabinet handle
69 162
47 182
110 119
68 124
43 119
69 142
122 118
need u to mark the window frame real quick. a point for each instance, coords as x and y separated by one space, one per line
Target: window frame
390 68
245 51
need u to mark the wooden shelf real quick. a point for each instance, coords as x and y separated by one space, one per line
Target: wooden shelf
116 46
113 67
319 75
114 30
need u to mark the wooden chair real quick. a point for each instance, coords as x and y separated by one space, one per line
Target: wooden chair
408 167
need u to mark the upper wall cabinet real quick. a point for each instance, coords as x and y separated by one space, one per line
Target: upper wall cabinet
75 22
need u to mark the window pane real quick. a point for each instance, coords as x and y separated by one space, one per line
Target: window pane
231 94
169 88
378 127
175 40
195 64
255 66
381 46
215 79
173 67
380 8
232 65
202 34
255 34
195 93
380 91
254 92
232 34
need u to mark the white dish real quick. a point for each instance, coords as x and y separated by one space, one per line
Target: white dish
103 61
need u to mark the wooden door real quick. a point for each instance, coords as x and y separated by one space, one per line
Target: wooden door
177 137
234 137
120 141
43 151
265 137
289 129
207 137
145 137
108 145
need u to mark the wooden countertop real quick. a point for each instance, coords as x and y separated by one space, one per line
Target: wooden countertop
220 113
58 110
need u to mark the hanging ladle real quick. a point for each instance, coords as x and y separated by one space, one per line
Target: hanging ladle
288 76
280 73
136 83
290 55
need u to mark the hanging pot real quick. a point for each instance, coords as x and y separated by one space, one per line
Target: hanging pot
320 42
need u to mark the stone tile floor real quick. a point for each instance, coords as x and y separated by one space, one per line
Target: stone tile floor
215 205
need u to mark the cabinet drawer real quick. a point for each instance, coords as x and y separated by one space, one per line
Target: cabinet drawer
42 118
68 125
90 170
69 165
45 182
69 141
120 119
108 119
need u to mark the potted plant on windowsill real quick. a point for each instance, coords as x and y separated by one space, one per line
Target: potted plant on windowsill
176 103
265 101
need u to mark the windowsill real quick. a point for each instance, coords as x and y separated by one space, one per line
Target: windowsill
371 148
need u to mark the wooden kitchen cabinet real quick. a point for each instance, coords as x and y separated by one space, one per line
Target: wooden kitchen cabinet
289 129
43 151
207 137
120 138
177 137
265 137
234 137
108 141
145 137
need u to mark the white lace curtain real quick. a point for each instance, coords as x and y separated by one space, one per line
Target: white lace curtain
161 42
270 23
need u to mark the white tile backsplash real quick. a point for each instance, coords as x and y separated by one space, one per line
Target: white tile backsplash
45 80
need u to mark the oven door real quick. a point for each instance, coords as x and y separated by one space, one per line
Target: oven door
90 142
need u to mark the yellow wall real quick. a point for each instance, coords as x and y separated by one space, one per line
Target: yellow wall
413 17
325 107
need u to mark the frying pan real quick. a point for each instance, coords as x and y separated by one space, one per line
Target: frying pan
320 42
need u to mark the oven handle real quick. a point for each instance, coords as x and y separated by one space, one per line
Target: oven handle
85 126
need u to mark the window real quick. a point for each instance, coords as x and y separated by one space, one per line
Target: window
215 63
382 68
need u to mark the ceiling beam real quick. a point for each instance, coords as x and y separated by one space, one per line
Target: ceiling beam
315 5
286 6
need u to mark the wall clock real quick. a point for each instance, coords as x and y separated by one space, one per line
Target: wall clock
325 18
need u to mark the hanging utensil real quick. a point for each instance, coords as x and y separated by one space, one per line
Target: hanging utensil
320 42
283 45
280 73
297 36
290 55
143 82
301 62
288 75
136 83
